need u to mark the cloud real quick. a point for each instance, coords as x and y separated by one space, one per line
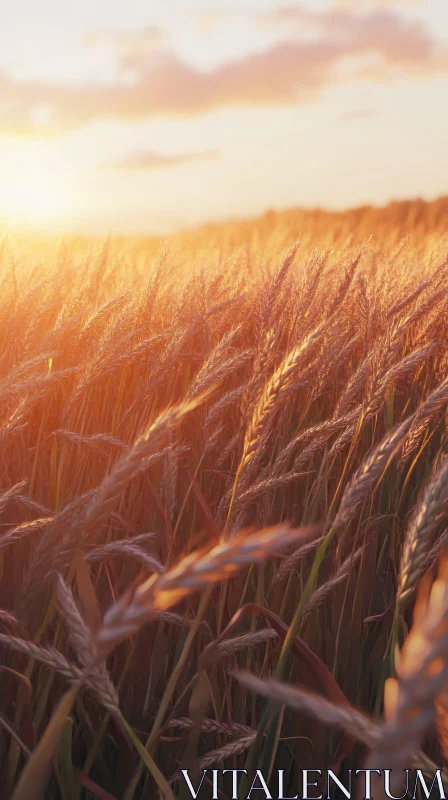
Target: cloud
382 32
150 160
296 70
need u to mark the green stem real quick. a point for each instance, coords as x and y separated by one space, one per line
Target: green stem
282 667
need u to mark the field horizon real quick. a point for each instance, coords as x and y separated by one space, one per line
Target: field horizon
404 213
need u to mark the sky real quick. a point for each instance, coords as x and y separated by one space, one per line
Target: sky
137 116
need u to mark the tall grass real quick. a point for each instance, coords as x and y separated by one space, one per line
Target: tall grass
223 471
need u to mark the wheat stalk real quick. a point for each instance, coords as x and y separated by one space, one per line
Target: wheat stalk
342 716
422 676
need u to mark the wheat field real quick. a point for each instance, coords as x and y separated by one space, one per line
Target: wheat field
224 503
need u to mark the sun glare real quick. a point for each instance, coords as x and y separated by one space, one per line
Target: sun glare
34 203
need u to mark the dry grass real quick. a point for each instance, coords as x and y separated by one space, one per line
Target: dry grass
203 445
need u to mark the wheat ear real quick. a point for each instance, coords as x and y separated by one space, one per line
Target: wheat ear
431 511
195 572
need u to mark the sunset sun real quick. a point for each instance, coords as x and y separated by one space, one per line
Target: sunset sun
35 201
